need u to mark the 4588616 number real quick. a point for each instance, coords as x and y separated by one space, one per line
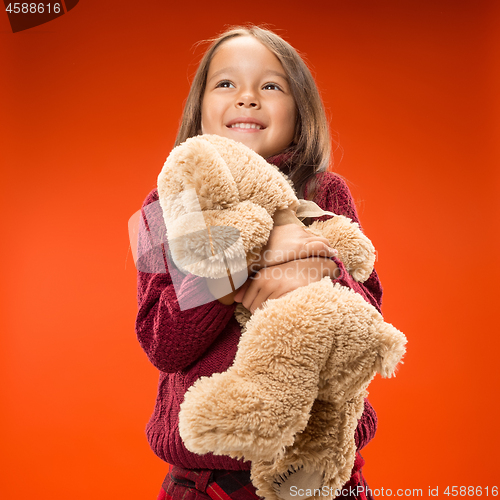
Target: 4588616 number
33 8
471 491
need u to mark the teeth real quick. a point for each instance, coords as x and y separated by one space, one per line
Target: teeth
246 125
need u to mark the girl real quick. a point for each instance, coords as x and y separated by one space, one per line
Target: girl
253 87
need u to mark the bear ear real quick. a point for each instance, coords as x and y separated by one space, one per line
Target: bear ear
196 166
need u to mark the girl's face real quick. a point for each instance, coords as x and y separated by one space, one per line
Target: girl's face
247 97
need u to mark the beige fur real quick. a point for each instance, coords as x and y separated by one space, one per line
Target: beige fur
356 251
295 391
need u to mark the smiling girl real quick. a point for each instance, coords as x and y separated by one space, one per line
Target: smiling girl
253 87
248 98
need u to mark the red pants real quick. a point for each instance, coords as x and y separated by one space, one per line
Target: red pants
201 484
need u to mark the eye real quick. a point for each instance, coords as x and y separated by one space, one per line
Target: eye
224 84
271 86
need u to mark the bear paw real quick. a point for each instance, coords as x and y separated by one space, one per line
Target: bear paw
296 481
229 415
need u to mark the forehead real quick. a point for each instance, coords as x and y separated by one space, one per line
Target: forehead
244 53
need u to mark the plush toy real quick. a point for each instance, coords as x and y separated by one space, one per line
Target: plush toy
291 401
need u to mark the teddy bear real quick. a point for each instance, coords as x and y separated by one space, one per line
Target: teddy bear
291 401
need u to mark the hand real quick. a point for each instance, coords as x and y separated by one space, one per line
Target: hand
220 285
227 300
292 242
276 281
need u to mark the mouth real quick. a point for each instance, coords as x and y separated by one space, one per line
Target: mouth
245 126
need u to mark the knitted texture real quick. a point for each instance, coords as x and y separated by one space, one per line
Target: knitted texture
185 345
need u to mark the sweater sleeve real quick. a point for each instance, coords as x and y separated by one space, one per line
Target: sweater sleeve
171 337
334 195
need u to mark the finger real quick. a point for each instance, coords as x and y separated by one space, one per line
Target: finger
320 248
312 239
278 295
251 291
260 299
241 291
328 251
260 290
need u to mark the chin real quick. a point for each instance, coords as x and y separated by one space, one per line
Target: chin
247 141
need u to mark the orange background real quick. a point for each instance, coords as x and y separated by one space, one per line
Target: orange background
90 104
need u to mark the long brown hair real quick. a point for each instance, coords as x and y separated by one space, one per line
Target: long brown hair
309 152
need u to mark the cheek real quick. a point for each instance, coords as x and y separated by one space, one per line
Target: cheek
209 116
287 111
203 117
289 118
293 113
206 112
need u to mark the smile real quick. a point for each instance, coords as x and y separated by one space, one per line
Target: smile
246 125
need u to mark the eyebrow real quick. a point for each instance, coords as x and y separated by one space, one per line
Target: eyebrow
230 68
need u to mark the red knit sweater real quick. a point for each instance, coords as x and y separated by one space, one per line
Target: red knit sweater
186 345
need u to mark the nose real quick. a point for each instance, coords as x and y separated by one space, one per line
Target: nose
247 101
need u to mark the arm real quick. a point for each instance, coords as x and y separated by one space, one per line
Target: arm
289 242
172 338
334 195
